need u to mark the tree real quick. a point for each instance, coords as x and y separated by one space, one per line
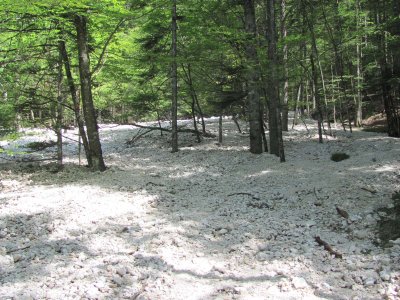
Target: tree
96 161
253 78
174 81
275 125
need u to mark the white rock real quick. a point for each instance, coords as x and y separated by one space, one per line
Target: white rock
299 283
261 256
6 261
385 275
369 281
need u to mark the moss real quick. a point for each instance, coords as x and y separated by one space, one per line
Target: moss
339 156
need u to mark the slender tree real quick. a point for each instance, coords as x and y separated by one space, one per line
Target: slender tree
174 81
253 78
95 151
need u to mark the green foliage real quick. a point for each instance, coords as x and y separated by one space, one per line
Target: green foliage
7 115
339 156
10 136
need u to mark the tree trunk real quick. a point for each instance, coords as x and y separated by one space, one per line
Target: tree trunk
174 82
275 123
59 109
253 77
95 151
313 58
285 102
75 101
220 129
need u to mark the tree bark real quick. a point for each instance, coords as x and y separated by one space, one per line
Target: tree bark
95 151
174 82
59 108
75 101
253 77
275 125
285 102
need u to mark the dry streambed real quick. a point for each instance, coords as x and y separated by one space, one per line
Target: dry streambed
210 222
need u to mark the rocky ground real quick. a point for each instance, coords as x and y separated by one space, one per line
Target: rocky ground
209 222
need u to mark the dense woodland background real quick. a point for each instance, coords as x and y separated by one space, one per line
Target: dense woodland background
67 62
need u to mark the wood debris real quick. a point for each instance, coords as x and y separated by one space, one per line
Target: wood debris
327 247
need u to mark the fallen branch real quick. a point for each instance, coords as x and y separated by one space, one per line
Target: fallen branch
318 202
246 194
207 134
328 247
372 191
342 212
17 249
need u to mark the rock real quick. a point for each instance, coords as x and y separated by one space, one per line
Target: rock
299 283
17 258
222 231
263 247
369 281
360 234
261 256
118 280
385 275
121 271
6 261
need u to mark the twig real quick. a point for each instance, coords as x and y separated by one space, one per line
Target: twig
369 190
18 249
327 247
246 194
342 212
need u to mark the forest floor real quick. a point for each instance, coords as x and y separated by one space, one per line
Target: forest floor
209 222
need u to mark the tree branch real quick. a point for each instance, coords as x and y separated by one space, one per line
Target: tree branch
103 52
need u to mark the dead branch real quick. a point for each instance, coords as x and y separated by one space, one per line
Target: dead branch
187 130
246 194
17 249
318 202
342 212
372 191
327 247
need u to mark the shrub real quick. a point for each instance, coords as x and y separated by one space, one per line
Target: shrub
339 156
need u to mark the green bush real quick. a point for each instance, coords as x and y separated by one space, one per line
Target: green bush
7 115
339 156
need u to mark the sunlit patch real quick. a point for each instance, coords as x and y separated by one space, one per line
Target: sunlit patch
262 173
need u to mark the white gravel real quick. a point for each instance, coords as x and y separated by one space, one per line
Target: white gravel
209 222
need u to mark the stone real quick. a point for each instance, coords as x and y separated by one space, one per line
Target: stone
360 234
261 256
369 281
121 271
385 275
299 283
